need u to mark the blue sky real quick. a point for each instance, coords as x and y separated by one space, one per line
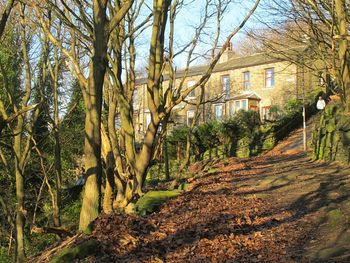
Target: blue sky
191 15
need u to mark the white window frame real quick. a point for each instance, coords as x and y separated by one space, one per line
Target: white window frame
192 94
246 83
232 108
240 106
190 114
136 99
217 106
271 78
148 118
226 85
245 101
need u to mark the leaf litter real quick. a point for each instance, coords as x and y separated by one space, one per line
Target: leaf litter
242 213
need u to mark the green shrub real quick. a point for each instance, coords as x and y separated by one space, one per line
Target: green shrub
205 137
247 121
70 214
4 258
177 139
179 134
293 106
241 134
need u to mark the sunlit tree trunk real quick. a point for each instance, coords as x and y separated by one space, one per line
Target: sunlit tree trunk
20 211
21 148
58 165
166 160
154 84
344 56
93 103
108 156
186 161
131 164
102 28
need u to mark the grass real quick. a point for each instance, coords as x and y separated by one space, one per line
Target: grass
152 200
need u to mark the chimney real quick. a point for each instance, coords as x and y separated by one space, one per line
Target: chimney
228 54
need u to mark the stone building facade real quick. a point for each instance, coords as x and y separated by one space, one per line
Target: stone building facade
257 82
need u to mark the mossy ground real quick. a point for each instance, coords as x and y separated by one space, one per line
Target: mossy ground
152 200
80 251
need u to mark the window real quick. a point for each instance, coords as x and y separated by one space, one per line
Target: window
135 100
269 78
320 79
232 108
237 105
148 119
266 112
190 84
218 112
225 83
190 117
244 105
246 80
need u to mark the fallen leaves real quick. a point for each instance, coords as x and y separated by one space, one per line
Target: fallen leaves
212 223
217 221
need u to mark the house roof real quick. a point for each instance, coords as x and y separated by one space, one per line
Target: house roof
246 95
234 63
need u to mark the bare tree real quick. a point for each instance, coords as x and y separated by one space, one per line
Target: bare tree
130 163
21 128
91 26
321 27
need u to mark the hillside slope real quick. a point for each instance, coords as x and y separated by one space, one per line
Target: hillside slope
280 207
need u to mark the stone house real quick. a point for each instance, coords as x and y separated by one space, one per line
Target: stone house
257 82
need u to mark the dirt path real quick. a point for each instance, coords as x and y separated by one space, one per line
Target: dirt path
295 141
266 209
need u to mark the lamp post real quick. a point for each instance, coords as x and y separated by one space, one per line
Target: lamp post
304 108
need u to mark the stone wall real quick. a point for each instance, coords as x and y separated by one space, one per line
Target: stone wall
331 136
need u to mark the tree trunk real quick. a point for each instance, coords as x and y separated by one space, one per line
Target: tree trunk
92 150
344 56
186 160
58 165
58 172
20 216
110 164
178 151
166 160
93 102
20 156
